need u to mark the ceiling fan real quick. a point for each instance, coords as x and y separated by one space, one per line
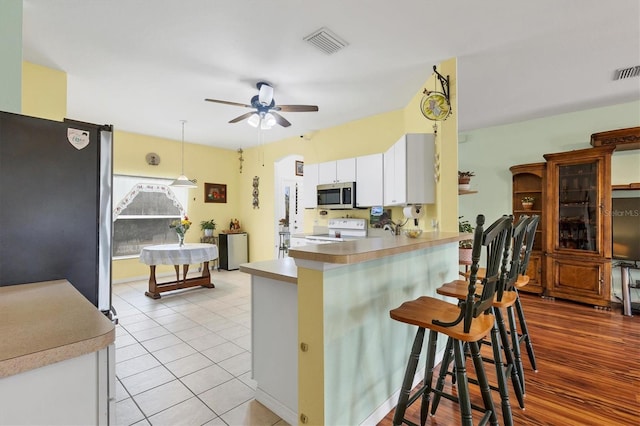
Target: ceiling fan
265 114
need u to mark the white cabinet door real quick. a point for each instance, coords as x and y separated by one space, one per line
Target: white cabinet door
369 180
346 170
395 178
310 182
409 172
327 172
337 171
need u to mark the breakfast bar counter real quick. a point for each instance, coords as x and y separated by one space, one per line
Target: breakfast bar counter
337 357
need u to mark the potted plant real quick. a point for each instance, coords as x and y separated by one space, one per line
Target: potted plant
527 202
208 226
464 179
464 246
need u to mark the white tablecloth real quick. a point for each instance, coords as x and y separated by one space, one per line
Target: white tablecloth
173 254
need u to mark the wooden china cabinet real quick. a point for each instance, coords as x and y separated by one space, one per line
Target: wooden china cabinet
578 233
529 180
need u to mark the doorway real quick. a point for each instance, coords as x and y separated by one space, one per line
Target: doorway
288 207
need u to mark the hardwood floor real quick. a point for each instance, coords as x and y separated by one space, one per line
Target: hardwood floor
588 370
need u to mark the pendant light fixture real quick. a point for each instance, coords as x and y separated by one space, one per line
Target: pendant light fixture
182 181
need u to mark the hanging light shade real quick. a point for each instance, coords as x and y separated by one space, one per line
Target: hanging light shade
268 121
254 120
183 181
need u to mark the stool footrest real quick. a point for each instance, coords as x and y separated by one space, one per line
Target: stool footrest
457 400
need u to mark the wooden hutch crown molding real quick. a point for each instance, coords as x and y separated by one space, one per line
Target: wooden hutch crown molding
622 139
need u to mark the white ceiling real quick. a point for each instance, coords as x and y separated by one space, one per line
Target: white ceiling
144 65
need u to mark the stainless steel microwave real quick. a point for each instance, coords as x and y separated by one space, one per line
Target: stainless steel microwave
337 195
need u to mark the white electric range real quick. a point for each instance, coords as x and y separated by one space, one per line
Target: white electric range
340 229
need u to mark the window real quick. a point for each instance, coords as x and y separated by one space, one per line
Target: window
144 208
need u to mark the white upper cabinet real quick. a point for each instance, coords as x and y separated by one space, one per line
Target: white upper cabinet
310 182
337 171
409 172
369 181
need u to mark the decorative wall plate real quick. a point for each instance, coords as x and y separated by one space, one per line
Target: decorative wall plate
152 159
435 106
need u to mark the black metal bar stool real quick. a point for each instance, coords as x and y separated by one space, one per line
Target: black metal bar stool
465 323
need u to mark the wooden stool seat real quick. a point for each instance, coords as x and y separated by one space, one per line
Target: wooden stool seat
520 282
423 310
459 290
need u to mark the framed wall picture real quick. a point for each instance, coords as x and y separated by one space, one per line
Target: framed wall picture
215 193
299 168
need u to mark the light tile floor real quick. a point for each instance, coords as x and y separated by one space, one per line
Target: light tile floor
185 359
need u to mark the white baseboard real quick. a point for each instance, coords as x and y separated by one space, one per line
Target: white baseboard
391 402
284 412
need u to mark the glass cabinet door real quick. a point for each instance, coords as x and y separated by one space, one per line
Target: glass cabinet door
578 207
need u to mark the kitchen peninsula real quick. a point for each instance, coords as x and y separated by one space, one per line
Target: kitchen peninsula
322 320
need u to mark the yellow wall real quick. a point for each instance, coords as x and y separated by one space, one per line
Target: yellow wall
44 92
203 163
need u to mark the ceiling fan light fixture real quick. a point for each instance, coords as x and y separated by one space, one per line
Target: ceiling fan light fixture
269 120
254 120
183 181
265 96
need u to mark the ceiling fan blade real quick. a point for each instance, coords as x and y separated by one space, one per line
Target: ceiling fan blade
228 103
242 117
281 120
296 108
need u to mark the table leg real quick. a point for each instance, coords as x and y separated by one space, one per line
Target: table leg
207 274
185 269
177 268
153 285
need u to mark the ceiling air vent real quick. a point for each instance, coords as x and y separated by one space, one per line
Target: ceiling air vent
326 41
627 72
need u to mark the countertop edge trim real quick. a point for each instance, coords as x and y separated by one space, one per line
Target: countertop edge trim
21 364
270 275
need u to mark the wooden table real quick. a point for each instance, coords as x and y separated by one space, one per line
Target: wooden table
174 254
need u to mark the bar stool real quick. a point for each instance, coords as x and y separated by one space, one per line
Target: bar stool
465 323
524 335
502 300
523 280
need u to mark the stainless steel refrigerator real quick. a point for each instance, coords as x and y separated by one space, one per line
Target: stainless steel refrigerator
55 204
233 250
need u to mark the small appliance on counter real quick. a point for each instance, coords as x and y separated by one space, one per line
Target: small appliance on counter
341 229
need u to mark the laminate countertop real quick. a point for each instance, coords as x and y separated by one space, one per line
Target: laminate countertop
47 322
361 250
346 252
276 269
